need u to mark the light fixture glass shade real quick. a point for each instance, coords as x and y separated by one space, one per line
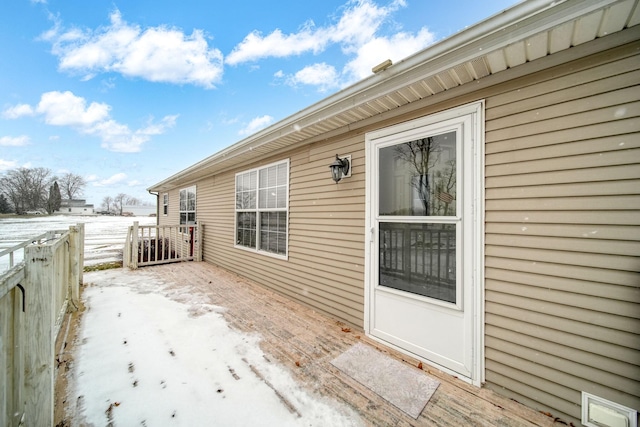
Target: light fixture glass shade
339 168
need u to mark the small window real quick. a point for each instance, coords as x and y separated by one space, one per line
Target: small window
165 204
262 204
188 205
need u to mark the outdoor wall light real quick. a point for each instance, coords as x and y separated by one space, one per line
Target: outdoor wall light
339 168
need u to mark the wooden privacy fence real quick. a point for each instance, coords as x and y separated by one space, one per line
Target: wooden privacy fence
35 294
162 244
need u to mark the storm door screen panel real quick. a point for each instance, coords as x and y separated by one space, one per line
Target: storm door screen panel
418 216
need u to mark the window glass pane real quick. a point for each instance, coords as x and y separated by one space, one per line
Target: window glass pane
262 180
262 197
273 176
418 178
246 181
282 174
183 200
273 232
246 229
271 198
183 218
245 200
419 258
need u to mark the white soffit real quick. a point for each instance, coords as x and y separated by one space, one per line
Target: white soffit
528 31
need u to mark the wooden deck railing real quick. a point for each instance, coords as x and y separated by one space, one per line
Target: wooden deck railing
419 258
35 294
162 244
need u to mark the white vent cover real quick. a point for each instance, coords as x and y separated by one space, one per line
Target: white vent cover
599 412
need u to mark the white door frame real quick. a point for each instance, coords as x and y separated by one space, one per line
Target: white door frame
476 110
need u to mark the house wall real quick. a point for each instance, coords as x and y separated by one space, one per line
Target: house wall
325 267
562 235
562 295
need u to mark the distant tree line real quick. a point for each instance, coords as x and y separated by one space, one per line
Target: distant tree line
115 205
37 189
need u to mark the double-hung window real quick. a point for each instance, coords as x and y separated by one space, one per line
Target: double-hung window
262 203
188 205
165 204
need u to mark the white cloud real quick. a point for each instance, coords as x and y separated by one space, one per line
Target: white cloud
67 109
379 49
356 31
134 183
114 179
14 141
256 124
322 75
19 110
157 54
279 45
158 128
7 164
359 22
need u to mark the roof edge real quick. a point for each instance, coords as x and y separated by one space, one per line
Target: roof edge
351 96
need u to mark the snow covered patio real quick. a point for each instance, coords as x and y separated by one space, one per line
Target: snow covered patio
191 344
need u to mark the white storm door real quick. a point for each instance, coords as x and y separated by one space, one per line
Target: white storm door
421 191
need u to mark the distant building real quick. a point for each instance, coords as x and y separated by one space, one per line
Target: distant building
75 207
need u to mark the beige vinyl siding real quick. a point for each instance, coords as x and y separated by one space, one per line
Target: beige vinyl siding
562 236
173 215
325 265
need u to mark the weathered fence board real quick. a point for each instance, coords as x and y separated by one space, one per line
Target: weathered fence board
34 297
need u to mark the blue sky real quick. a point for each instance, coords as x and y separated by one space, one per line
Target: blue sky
127 93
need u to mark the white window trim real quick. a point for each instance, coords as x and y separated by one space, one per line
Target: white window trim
195 208
258 210
165 204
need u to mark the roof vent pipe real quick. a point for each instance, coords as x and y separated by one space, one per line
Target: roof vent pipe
382 66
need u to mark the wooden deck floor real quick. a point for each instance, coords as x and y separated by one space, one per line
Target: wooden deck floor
305 342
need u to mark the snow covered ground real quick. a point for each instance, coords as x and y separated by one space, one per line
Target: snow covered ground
151 355
104 235
148 354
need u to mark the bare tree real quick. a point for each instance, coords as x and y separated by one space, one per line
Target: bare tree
27 188
422 154
118 202
107 203
72 185
133 201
